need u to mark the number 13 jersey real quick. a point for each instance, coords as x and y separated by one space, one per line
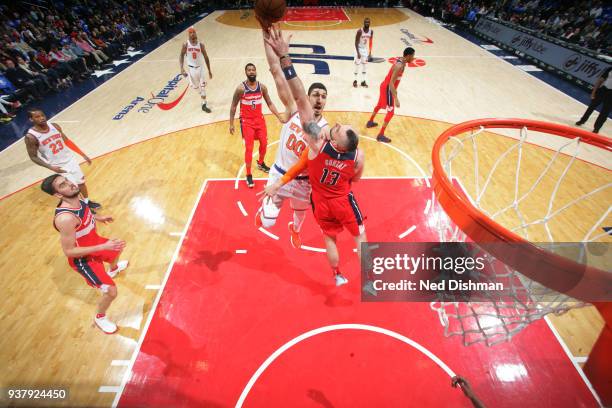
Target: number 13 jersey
292 143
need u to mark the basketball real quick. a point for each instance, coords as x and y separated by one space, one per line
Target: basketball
270 11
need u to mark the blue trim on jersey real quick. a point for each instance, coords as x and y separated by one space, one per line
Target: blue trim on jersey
281 171
355 208
329 150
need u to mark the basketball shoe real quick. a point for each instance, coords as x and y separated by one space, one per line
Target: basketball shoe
105 324
121 266
296 241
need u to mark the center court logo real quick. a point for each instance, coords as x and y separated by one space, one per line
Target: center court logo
158 99
416 63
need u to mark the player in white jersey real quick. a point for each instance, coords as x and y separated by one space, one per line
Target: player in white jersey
196 56
49 147
291 146
363 42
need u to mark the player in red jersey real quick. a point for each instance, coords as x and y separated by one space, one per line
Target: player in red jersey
388 93
250 94
85 249
334 162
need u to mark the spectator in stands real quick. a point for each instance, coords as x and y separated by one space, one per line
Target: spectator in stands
88 48
77 64
21 79
50 83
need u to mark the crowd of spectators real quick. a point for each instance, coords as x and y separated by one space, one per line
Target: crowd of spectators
583 23
46 48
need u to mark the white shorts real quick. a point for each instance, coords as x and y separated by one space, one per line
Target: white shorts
197 77
297 191
364 56
73 172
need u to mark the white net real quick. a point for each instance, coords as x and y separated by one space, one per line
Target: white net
542 194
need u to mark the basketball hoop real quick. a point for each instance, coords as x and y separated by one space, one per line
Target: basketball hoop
540 280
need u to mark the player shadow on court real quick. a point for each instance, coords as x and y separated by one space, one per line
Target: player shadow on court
268 259
174 348
211 259
318 397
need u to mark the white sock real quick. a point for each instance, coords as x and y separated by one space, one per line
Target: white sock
298 219
86 200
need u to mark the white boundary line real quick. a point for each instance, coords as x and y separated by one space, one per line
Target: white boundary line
120 363
348 326
571 358
427 207
128 372
268 233
109 388
241 251
408 231
313 249
152 287
242 210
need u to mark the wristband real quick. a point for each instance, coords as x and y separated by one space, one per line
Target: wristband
289 72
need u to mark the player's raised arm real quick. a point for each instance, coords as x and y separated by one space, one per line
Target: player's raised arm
182 59
282 87
280 46
235 100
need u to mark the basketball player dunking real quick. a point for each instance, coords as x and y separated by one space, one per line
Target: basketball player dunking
250 94
85 249
49 147
196 56
388 93
291 146
363 46
333 163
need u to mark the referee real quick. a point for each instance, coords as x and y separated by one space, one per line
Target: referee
602 93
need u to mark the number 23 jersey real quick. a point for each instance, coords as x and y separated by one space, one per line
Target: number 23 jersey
292 142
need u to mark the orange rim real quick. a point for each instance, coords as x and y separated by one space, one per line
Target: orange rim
554 271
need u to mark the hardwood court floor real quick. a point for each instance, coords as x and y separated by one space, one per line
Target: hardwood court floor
150 165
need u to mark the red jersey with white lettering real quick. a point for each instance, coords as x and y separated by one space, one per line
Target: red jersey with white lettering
387 80
86 234
250 104
331 172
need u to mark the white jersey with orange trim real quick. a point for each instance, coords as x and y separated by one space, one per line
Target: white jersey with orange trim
51 146
194 55
364 41
292 143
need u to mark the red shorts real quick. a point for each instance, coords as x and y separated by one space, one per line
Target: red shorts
385 98
91 267
333 215
254 130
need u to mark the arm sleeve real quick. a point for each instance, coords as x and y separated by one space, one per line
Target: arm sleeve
72 146
297 168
